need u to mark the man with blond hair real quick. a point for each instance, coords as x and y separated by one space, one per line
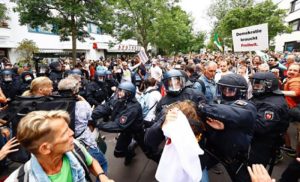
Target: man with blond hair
47 136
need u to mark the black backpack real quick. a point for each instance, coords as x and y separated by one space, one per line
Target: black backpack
24 104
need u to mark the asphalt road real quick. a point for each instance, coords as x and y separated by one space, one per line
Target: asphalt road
143 170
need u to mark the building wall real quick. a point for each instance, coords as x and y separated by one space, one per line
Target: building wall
49 43
280 40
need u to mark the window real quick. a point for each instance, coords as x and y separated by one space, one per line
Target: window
92 28
295 25
295 5
48 29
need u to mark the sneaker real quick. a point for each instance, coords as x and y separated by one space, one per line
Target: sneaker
289 151
279 157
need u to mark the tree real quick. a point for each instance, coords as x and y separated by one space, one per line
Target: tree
135 19
265 12
3 16
26 48
69 17
218 9
172 31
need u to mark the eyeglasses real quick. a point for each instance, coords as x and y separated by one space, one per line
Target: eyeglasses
271 60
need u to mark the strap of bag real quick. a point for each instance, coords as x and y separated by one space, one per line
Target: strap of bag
22 173
78 153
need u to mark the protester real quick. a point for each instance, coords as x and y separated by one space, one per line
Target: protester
47 136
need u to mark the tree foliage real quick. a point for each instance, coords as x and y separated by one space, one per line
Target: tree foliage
161 23
26 48
173 31
265 12
69 17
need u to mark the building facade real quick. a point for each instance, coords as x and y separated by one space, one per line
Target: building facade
49 44
290 41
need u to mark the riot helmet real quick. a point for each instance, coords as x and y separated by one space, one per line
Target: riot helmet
7 75
174 82
76 71
263 83
27 77
126 91
100 76
232 87
109 75
56 66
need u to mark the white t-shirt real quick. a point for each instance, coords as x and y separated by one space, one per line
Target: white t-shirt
156 73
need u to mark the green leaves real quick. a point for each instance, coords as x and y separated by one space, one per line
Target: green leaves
265 12
26 48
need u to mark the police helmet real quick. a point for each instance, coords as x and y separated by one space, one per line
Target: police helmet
232 87
174 82
76 71
109 75
265 82
7 75
129 89
27 76
55 66
100 76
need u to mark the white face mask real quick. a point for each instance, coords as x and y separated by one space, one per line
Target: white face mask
7 78
28 78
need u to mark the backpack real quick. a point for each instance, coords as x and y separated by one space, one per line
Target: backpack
143 101
21 106
202 86
78 153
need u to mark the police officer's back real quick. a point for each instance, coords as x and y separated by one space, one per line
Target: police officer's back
96 91
272 117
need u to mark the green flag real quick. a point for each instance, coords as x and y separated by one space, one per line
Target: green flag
217 42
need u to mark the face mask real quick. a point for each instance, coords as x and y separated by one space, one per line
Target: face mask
8 78
28 78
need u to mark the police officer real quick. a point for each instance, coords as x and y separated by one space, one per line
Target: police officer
177 90
126 118
56 74
97 90
229 127
26 78
272 117
9 85
112 83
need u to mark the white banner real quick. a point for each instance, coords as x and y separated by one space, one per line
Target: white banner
251 38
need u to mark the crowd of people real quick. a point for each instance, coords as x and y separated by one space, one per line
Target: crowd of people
238 108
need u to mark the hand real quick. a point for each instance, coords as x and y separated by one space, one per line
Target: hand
7 148
113 88
171 116
5 132
215 124
2 122
258 173
104 178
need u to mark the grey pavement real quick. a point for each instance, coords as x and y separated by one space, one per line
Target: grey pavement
143 170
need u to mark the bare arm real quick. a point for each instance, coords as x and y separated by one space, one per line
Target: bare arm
96 169
289 93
